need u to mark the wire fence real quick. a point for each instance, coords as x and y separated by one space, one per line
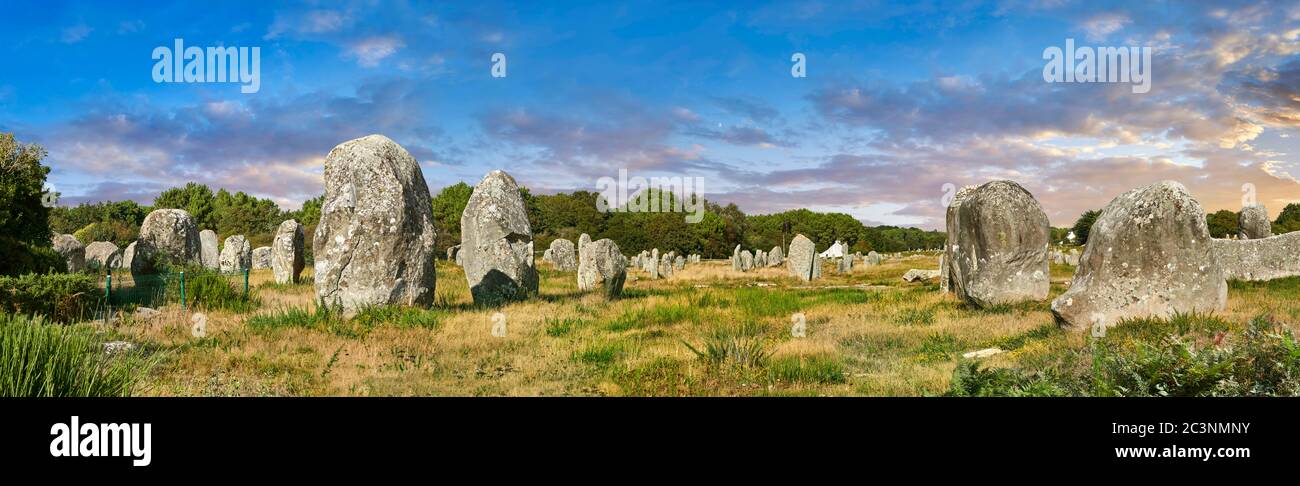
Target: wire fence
123 291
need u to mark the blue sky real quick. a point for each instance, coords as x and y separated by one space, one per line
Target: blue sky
900 98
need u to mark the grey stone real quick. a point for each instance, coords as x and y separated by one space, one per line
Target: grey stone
1260 259
236 254
803 262
915 275
1148 255
601 262
679 263
287 258
746 261
563 255
167 236
208 255
118 347
103 256
128 256
451 252
872 258
846 263
72 251
735 259
775 257
653 264
497 242
262 257
997 245
1254 223
944 273
375 243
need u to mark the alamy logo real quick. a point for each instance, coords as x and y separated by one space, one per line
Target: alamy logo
654 195
1100 65
75 439
219 64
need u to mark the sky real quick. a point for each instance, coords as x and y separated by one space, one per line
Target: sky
900 99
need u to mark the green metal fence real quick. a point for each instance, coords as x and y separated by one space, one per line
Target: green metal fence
124 291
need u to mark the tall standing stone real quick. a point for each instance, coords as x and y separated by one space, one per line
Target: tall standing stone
167 236
497 242
563 255
846 263
236 254
128 256
997 246
735 258
1254 223
679 263
601 262
73 253
746 261
654 264
262 257
103 256
1149 254
803 262
287 260
583 239
775 257
208 254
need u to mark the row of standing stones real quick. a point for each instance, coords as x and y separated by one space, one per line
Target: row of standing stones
171 236
1148 254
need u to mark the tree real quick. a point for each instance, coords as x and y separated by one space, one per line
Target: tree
447 207
1084 224
24 215
1222 223
195 199
1288 220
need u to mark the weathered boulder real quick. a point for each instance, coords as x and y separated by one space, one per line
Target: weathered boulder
583 239
917 275
167 236
775 257
262 257
73 253
679 263
872 258
236 254
209 257
563 255
1253 222
846 263
451 252
746 261
497 242
601 262
803 262
287 258
375 243
1260 259
666 265
1148 254
735 258
653 264
997 245
128 256
103 255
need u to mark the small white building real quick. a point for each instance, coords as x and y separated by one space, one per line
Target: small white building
835 251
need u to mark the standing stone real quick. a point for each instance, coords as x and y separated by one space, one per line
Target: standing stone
1148 255
208 255
128 256
746 261
236 254
287 258
262 257
679 263
775 257
760 259
997 245
846 263
583 239
563 256
735 258
498 242
653 264
601 262
451 252
666 265
375 243
803 261
1254 223
546 256
103 256
872 258
167 236
72 251
1259 260
943 274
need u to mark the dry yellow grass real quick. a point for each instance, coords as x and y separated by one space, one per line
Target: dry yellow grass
869 333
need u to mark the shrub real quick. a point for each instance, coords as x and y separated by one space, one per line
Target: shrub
44 360
61 297
20 258
117 232
740 346
212 290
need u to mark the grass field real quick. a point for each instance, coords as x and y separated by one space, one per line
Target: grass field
706 331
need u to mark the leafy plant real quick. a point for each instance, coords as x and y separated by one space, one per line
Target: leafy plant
39 359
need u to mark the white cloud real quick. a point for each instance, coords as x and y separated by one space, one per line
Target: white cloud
74 34
371 50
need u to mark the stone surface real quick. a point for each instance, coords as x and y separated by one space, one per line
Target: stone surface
846 263
666 265
601 263
983 353
375 243
497 242
803 262
1148 255
209 257
996 252
735 258
236 255
451 252
72 250
746 261
564 255
128 256
775 257
262 257
1259 259
944 273
653 264
916 275
1253 222
679 263
287 257
167 236
103 255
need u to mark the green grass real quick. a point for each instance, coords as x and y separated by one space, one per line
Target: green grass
602 354
561 327
738 346
663 315
815 369
40 359
912 316
938 347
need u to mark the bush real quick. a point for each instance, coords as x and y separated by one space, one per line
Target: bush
45 360
117 232
212 290
19 258
61 297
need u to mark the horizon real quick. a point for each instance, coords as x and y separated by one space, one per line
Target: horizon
897 102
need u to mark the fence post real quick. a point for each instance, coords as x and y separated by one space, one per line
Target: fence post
245 281
108 296
182 288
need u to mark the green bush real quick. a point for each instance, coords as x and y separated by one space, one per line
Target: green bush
117 232
38 359
19 258
210 289
61 297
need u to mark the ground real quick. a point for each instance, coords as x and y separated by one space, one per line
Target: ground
708 331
